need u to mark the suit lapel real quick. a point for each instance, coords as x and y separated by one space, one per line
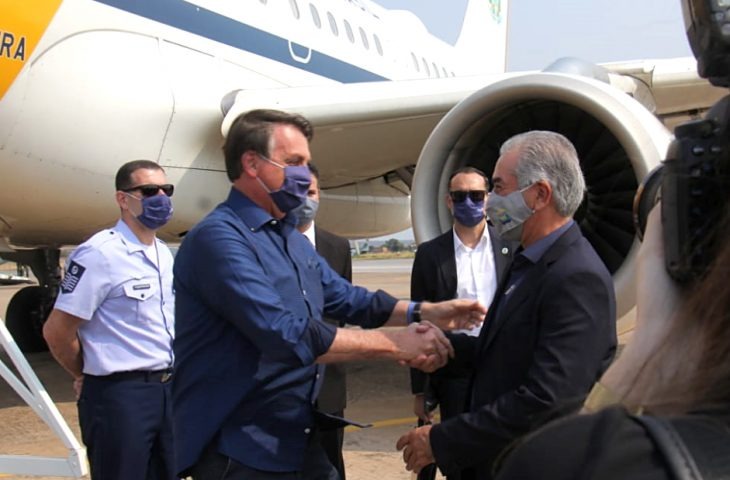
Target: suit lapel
509 300
447 265
503 252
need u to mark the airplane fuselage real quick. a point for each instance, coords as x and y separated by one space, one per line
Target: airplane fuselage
108 81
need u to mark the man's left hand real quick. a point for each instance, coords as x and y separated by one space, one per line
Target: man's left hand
416 448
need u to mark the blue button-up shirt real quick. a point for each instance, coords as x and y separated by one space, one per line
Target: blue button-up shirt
250 295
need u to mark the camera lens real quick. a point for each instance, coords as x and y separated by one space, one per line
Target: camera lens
647 195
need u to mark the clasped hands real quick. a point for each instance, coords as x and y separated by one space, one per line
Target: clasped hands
424 344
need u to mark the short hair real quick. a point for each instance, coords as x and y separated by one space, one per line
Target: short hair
123 180
549 156
252 131
461 170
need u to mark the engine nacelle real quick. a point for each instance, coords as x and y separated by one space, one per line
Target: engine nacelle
618 142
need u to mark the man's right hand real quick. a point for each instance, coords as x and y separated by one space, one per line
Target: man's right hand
423 346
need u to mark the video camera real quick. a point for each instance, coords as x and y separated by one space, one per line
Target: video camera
694 180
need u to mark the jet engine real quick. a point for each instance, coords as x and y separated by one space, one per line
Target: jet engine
618 141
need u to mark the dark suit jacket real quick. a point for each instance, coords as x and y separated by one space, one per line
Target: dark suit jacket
544 343
433 279
336 250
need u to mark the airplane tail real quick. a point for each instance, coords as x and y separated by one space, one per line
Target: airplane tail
483 38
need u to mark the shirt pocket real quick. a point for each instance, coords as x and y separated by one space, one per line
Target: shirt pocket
140 289
137 300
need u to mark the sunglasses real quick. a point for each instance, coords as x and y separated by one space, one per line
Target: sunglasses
459 196
150 190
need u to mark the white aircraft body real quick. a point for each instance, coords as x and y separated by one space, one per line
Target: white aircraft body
86 85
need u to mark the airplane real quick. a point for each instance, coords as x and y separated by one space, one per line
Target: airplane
86 85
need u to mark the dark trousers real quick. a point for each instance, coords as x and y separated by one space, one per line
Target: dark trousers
332 441
213 465
126 425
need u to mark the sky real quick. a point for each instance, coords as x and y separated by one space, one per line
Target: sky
541 31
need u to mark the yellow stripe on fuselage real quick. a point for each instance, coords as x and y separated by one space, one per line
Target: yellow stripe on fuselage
22 24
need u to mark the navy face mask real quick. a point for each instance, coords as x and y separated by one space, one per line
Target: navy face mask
156 211
469 213
294 190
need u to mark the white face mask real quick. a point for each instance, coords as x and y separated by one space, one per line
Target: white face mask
508 213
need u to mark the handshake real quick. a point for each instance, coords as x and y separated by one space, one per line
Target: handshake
423 345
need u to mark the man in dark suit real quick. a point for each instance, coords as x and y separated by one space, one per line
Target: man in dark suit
550 331
467 261
332 397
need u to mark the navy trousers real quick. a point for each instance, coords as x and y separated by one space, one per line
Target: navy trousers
213 465
126 425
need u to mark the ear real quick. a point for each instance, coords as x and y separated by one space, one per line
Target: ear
449 202
544 194
121 199
249 164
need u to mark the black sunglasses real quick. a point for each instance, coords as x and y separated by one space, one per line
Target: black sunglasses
150 190
459 196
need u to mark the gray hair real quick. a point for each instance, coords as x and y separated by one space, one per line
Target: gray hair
549 156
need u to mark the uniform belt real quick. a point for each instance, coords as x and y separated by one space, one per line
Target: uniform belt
161 376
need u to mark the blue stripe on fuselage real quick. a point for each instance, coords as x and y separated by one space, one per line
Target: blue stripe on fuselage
211 25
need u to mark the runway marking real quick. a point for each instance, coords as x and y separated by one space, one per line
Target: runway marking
393 422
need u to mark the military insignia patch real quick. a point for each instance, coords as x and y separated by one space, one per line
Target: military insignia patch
72 277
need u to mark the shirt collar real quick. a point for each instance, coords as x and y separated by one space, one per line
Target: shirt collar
253 215
535 251
131 241
309 233
483 242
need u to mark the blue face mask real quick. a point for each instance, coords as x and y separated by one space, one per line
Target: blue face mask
156 211
469 213
294 190
306 212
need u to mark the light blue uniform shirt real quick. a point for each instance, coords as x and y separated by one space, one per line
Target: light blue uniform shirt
123 289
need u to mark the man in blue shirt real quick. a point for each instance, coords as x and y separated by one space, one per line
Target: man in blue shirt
250 296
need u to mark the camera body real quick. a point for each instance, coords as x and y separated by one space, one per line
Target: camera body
694 180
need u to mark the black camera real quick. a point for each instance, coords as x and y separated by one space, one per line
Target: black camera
693 183
694 180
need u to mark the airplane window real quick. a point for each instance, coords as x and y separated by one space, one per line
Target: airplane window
425 67
333 24
435 70
415 62
294 8
315 16
348 29
364 37
378 46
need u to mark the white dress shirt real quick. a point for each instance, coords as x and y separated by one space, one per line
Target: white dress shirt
475 273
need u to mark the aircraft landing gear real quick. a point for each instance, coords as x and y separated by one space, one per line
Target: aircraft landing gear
29 307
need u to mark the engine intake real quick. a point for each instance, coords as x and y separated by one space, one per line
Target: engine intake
617 139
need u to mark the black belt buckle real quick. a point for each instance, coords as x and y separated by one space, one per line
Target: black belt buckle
166 376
